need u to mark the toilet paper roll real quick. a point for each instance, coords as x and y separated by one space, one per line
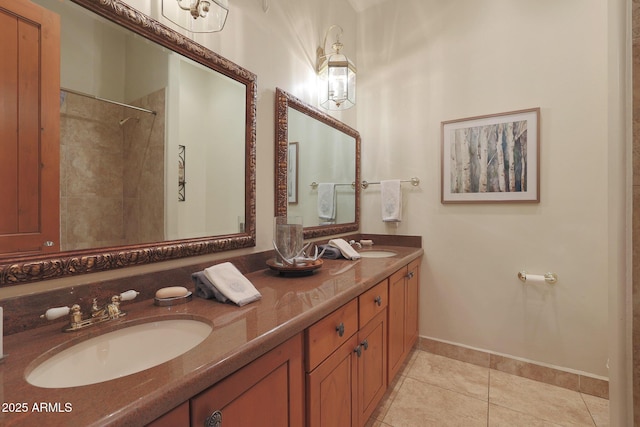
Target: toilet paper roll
533 279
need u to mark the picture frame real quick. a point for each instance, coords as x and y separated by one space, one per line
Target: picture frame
292 173
492 158
182 167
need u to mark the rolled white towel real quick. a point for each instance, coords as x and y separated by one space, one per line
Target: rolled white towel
347 251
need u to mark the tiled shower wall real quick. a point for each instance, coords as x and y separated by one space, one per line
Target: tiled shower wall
111 175
636 211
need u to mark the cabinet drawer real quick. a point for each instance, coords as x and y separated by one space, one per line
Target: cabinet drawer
326 335
373 302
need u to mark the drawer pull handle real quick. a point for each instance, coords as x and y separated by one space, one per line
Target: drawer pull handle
358 350
365 344
378 300
214 420
340 329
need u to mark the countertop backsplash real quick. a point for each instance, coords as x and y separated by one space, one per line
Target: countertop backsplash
23 312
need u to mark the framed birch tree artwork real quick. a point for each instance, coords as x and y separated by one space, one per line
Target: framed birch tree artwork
493 158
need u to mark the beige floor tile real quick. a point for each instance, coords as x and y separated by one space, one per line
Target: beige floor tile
504 417
599 409
375 423
451 374
387 399
422 405
544 401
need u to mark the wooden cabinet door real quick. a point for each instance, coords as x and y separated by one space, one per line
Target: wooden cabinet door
267 392
331 389
397 315
404 295
372 365
29 128
412 297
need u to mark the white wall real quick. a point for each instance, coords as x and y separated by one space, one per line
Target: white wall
324 155
427 61
197 121
85 68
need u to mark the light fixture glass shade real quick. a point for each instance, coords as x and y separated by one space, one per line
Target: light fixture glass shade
337 83
197 16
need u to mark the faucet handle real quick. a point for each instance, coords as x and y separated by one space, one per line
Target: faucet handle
56 312
129 295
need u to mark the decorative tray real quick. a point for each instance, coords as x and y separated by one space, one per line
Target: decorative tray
301 269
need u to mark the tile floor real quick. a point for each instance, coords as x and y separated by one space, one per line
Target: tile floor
433 390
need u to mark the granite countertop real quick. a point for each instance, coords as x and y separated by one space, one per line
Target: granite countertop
239 336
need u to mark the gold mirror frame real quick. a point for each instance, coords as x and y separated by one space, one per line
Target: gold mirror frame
285 100
26 269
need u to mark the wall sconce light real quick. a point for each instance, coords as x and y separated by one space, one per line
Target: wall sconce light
197 16
337 76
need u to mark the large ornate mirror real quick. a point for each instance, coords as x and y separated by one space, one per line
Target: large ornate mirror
157 146
317 168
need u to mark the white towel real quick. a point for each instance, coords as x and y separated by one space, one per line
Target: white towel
327 201
391 198
345 248
232 284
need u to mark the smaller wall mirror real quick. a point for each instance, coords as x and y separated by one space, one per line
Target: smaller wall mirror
317 168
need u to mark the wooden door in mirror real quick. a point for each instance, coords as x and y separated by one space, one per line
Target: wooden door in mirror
29 129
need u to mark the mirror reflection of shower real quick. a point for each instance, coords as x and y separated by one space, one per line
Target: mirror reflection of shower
112 169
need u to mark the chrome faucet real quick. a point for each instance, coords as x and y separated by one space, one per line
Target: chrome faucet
98 314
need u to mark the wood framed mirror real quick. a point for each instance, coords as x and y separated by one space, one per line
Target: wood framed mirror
177 240
316 153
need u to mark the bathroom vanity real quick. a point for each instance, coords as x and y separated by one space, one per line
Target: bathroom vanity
292 358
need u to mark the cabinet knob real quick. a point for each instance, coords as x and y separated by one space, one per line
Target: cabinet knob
365 344
340 329
378 300
214 420
358 350
410 275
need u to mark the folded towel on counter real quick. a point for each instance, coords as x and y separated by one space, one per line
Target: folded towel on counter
330 252
205 289
232 284
225 281
391 198
345 248
327 202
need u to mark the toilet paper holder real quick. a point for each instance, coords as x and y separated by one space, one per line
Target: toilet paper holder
549 277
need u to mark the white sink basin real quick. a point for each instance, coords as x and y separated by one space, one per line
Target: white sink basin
377 254
119 353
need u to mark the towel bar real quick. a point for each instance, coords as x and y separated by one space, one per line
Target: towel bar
314 185
414 181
